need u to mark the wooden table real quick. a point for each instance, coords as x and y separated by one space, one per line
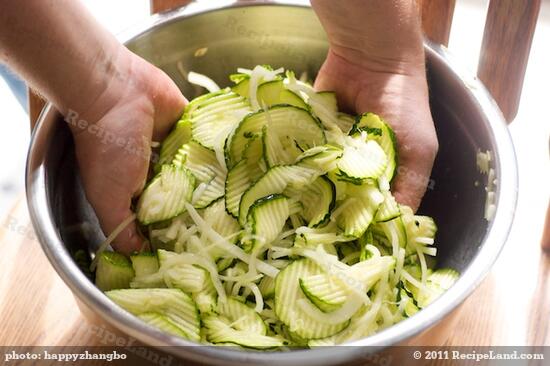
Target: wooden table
511 307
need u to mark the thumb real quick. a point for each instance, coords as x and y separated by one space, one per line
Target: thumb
169 104
413 176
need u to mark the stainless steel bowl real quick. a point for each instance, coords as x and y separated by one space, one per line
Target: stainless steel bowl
215 39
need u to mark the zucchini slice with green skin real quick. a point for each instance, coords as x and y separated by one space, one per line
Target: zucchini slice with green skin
345 122
361 161
389 209
237 182
114 271
242 175
223 223
278 150
242 87
287 295
166 195
205 100
318 200
323 105
437 283
407 305
420 229
162 322
242 317
267 287
324 158
274 92
357 212
186 277
218 331
444 277
174 304
274 181
265 221
215 118
384 231
202 162
378 130
180 135
289 122
207 299
145 263
328 294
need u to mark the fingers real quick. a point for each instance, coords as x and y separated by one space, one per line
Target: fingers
169 105
129 240
111 176
414 170
113 208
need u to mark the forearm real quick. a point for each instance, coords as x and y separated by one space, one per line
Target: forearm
60 49
374 33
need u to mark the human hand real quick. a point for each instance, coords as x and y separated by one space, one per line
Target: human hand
376 64
139 104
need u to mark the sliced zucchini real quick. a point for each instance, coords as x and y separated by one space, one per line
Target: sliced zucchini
145 263
242 87
290 123
389 209
166 195
181 134
113 271
267 287
325 292
378 130
345 122
223 223
274 181
206 99
357 212
207 299
186 277
274 92
174 304
406 303
324 105
287 295
266 218
318 200
162 322
202 162
420 229
214 118
242 317
361 161
218 331
385 231
437 283
323 158
242 175
278 150
444 277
